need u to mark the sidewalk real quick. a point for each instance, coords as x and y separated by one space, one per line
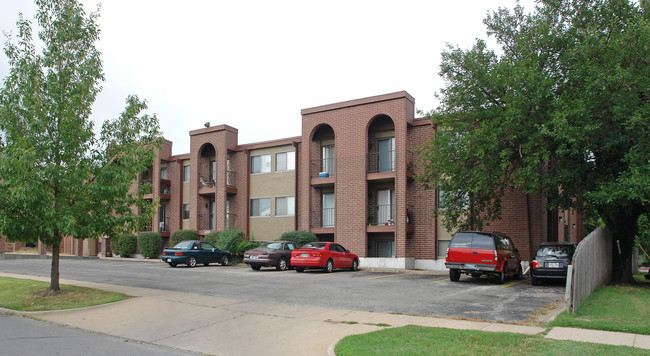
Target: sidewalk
213 325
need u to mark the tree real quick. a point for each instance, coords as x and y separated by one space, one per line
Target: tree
562 109
57 178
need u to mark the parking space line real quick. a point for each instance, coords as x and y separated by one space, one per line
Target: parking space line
390 275
440 280
513 283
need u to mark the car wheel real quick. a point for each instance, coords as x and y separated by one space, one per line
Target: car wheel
355 265
329 267
256 267
191 262
454 275
282 264
172 264
224 260
501 277
519 275
300 269
206 264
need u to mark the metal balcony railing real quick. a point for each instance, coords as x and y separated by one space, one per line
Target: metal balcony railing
322 168
231 179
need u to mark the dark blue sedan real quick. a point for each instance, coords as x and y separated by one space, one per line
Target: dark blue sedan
191 253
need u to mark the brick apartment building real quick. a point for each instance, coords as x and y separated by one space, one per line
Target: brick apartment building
348 178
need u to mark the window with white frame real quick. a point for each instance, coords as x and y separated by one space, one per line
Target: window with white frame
186 211
284 206
163 173
186 173
261 164
260 207
285 161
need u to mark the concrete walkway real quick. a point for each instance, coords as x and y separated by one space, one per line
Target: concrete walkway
221 326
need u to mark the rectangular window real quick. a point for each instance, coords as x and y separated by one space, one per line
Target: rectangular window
285 161
386 155
186 173
186 211
163 173
284 206
260 207
327 166
261 164
385 248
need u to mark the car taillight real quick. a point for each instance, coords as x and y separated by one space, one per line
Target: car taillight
264 253
535 264
447 254
496 255
179 254
316 254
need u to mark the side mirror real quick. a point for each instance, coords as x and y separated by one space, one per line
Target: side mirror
347 251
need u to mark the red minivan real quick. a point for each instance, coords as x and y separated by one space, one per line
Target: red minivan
477 253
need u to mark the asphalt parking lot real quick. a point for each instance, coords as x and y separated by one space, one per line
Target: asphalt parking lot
412 293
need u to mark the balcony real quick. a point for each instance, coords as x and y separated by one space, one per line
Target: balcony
322 171
382 218
231 182
165 189
206 222
322 221
382 166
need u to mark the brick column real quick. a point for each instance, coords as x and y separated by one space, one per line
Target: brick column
3 239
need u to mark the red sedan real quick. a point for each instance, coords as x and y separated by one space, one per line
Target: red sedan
325 255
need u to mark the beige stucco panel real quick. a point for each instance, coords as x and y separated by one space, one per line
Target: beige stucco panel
270 228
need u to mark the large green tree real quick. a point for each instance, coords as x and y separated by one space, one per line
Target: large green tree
57 177
562 107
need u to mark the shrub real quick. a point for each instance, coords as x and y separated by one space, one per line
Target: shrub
300 237
212 238
150 244
126 245
243 246
182 235
228 239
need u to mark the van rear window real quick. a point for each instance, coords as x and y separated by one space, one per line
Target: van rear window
472 240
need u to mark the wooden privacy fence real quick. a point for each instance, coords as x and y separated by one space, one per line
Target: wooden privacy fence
592 266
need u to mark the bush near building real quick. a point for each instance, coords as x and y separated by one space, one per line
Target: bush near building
126 245
150 244
182 235
300 237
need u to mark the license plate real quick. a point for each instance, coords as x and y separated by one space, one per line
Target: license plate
169 260
470 266
553 265
253 257
304 255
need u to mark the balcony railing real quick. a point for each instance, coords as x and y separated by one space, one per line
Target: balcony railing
206 181
322 168
379 162
207 222
231 179
323 218
384 215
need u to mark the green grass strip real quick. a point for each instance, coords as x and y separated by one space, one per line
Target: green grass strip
30 295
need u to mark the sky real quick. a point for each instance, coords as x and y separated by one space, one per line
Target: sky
254 65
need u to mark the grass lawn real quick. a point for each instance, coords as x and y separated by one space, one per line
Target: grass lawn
30 295
419 340
613 308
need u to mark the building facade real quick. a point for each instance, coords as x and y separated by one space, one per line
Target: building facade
348 178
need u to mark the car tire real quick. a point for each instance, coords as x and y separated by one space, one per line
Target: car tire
256 267
519 275
454 275
329 266
355 265
225 260
501 277
172 264
300 269
191 261
282 264
206 264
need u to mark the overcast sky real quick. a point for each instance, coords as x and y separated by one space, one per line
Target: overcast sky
254 65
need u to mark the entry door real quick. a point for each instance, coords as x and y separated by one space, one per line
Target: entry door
386 207
163 218
386 154
328 160
328 210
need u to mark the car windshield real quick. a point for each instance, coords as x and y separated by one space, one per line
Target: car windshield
557 251
184 245
318 245
272 245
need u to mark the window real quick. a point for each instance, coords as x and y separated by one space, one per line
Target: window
284 206
442 247
261 164
163 173
385 248
186 211
328 210
285 161
328 160
260 207
186 173
386 207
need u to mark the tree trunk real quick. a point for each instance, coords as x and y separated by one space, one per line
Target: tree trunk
54 273
622 222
